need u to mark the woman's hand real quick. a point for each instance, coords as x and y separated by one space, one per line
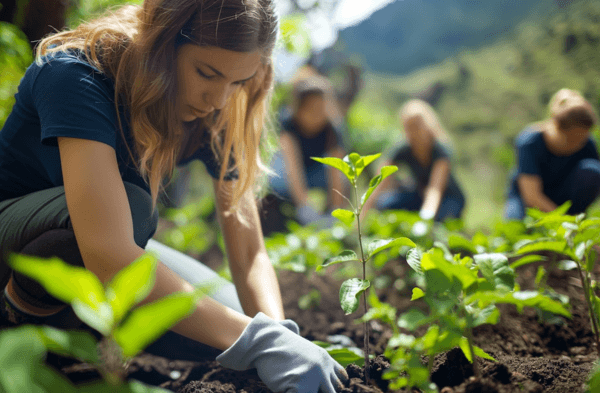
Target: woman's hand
285 361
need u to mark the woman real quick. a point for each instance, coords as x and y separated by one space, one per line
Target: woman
103 115
308 132
435 193
557 160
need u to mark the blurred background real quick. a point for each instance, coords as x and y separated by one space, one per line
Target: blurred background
488 68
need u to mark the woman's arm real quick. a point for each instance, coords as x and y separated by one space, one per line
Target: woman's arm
294 168
436 186
335 180
531 189
102 222
251 269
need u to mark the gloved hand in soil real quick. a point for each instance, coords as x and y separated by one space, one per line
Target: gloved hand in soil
285 361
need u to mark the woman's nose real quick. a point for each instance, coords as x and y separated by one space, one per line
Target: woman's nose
218 97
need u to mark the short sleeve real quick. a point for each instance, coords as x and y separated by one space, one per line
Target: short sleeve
440 152
527 152
400 154
73 99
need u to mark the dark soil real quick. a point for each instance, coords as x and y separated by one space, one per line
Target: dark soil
533 355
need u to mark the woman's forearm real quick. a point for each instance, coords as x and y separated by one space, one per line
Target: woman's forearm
258 288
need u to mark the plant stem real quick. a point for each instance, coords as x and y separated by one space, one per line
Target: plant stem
475 365
364 263
588 298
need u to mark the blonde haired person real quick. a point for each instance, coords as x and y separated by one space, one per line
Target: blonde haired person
102 116
557 160
434 193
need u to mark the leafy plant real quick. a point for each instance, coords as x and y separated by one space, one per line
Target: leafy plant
352 166
573 237
461 294
107 309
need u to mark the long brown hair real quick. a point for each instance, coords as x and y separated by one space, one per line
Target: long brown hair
137 47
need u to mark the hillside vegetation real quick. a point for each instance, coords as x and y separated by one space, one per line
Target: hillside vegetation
487 96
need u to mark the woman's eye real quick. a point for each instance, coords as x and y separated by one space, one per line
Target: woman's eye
241 83
202 74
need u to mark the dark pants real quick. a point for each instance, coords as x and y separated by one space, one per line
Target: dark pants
581 187
450 207
39 223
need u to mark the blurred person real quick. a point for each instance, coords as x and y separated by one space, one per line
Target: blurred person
306 132
101 118
557 160
433 191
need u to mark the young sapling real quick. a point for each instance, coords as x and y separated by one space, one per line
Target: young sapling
352 167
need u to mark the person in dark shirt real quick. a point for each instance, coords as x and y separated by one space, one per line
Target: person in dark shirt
308 132
433 191
100 119
557 161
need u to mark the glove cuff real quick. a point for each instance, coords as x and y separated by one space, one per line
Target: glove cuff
240 356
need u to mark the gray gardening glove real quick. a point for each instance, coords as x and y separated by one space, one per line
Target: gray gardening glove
285 361
291 325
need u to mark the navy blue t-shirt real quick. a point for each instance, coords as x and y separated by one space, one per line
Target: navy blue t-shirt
403 154
534 158
317 146
64 97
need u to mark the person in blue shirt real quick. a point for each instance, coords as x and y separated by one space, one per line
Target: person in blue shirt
433 191
101 118
308 132
557 161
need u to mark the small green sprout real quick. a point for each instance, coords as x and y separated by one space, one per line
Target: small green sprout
351 290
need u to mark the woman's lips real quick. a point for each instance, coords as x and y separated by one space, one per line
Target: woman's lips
199 112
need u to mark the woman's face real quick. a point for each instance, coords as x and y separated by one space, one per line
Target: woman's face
208 76
312 115
416 132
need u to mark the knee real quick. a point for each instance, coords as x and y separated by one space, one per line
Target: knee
144 216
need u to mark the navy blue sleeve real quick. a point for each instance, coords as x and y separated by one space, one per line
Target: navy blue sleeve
400 154
591 149
440 152
74 100
528 149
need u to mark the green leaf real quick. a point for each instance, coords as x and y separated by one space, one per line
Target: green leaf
376 181
520 299
22 367
436 261
567 265
488 315
417 293
345 357
61 280
344 256
338 164
412 319
526 260
545 244
496 270
100 319
345 216
482 354
413 258
458 242
131 285
369 159
150 321
464 345
78 344
380 245
350 292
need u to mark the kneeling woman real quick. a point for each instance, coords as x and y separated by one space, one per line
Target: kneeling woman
557 160
100 119
433 191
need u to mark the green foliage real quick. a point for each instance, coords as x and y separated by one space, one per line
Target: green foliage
352 166
109 310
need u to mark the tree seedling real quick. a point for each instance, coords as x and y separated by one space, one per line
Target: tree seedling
352 167
108 310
